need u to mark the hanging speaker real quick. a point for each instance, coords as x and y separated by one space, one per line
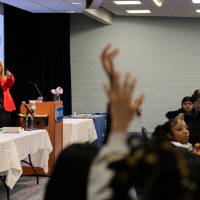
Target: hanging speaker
93 4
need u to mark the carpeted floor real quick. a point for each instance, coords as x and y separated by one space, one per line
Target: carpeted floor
26 189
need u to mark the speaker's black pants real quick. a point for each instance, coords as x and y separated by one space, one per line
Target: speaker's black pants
4 117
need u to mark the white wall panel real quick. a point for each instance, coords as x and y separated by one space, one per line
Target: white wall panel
163 52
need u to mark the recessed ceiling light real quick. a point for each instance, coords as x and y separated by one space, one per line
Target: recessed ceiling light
70 11
127 2
158 2
195 1
138 11
198 11
77 3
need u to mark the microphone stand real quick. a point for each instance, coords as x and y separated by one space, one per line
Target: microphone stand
39 92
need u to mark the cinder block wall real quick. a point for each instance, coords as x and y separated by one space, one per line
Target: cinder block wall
163 52
1 33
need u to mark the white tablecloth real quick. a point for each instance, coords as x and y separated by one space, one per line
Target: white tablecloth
16 147
78 131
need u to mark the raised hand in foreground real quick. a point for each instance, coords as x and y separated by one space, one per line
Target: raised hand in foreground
119 93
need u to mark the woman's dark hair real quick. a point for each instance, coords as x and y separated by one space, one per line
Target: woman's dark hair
187 98
69 176
195 95
162 132
156 170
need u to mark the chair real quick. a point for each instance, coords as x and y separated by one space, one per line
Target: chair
134 140
144 134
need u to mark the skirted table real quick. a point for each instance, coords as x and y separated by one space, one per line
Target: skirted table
77 130
15 147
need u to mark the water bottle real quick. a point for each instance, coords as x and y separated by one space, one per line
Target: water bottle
26 122
33 107
31 122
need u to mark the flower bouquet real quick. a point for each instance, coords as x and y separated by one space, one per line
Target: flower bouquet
57 92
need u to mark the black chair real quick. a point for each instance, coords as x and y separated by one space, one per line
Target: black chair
144 134
134 140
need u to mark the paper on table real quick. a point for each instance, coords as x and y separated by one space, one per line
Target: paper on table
12 129
36 115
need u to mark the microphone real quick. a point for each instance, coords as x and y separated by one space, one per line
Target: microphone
39 92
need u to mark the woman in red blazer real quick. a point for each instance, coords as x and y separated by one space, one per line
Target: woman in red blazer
6 102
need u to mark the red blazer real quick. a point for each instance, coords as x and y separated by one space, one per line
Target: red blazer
6 84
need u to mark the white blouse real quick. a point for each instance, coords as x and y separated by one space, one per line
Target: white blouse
186 146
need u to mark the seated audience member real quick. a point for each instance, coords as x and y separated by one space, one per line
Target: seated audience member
195 94
176 131
197 103
186 107
69 176
155 170
193 122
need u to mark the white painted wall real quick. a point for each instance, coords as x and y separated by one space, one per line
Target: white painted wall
163 52
1 33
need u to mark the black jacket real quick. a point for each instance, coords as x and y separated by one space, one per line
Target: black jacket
193 122
172 114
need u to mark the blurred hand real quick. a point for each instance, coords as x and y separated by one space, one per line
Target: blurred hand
196 149
107 57
119 93
8 73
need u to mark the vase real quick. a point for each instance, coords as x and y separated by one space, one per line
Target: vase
57 98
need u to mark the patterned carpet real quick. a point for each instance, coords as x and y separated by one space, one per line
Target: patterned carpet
26 189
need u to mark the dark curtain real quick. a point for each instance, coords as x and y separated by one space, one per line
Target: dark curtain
37 49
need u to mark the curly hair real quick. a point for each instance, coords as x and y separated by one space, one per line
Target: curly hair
162 132
155 170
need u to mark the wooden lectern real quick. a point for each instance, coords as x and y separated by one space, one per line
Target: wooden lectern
45 118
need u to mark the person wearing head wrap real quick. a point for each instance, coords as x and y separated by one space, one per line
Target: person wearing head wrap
186 108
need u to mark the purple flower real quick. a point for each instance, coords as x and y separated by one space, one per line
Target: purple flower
57 92
53 91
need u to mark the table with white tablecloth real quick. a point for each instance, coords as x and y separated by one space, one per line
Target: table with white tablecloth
78 131
15 147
